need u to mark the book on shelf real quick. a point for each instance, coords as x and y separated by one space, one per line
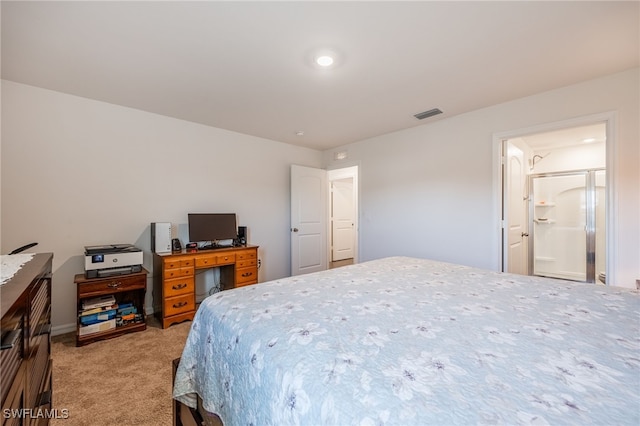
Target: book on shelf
98 317
97 327
129 319
127 310
98 302
97 310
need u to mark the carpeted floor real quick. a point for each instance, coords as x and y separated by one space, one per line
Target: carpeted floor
121 381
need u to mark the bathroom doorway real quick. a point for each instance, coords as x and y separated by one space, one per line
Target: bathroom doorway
554 202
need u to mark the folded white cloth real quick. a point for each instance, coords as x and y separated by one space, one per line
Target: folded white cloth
11 264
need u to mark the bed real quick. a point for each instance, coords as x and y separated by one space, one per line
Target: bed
415 342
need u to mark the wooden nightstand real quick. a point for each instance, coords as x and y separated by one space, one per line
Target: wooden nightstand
125 288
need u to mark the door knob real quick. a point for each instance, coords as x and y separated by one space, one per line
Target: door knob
295 229
524 234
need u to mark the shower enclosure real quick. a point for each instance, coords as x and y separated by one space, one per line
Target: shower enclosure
567 220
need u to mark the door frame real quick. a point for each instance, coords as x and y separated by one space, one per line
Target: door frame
609 118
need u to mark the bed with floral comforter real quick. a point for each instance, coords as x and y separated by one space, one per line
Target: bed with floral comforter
405 341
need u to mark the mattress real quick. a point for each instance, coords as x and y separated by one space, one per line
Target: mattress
413 341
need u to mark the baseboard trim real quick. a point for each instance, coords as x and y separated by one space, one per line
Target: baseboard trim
63 329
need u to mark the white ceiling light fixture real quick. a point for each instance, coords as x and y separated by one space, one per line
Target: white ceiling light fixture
324 58
324 61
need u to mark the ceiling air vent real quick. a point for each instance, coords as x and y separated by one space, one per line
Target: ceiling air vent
430 113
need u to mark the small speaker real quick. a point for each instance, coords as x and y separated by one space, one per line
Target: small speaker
161 237
175 245
242 235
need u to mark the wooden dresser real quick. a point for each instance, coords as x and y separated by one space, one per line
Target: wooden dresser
174 286
25 358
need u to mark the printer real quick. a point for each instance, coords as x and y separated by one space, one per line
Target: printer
111 259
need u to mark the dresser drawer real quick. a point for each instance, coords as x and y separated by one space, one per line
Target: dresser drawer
179 286
178 273
247 255
12 352
206 261
246 263
245 276
211 260
225 259
178 263
14 391
179 304
112 285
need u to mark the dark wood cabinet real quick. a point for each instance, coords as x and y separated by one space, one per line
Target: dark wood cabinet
124 288
25 357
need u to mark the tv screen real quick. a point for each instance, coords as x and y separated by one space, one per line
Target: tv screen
212 227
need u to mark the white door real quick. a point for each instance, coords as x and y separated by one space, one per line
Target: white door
516 214
342 219
309 213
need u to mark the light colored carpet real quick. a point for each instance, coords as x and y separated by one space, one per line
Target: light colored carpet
121 381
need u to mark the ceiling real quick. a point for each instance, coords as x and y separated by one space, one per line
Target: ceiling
247 66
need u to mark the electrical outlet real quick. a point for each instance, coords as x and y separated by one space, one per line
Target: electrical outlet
260 263
637 284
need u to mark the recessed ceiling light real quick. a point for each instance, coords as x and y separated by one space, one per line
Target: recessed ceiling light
299 133
324 58
324 61
589 140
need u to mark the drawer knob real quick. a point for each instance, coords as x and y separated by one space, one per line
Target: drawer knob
114 284
247 274
179 305
179 286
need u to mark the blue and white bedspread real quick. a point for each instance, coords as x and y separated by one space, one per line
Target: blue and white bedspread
415 342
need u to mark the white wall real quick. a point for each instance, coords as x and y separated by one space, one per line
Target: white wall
78 172
431 191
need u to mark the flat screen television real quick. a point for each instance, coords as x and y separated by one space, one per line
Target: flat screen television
212 228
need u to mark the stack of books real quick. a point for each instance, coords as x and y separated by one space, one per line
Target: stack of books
97 314
103 313
127 314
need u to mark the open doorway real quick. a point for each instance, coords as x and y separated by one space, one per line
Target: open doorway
554 202
343 216
312 239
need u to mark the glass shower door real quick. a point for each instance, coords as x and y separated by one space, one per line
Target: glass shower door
559 223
